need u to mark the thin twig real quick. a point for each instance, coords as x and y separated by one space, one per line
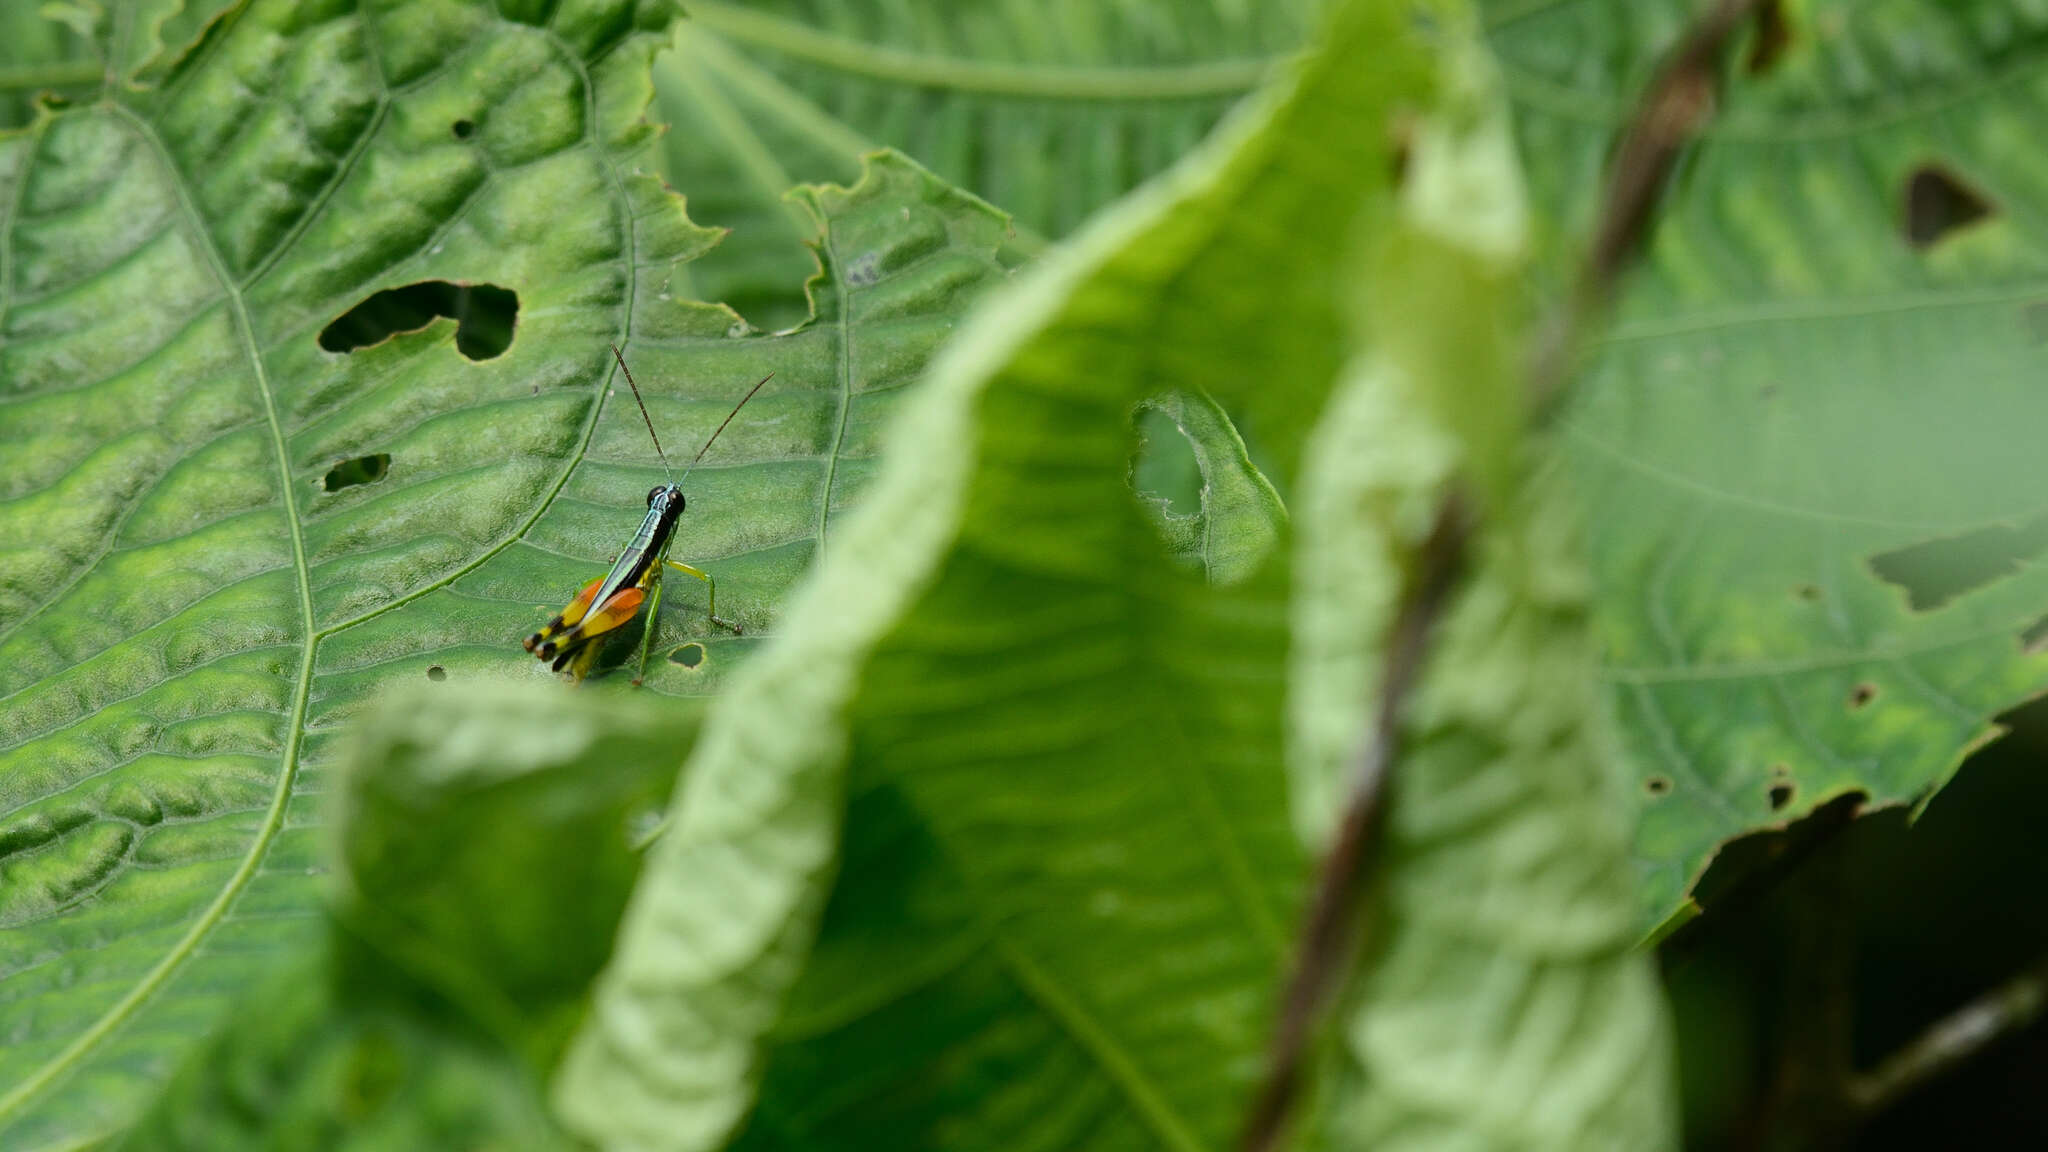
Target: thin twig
1673 110
1952 1040
1669 114
1327 938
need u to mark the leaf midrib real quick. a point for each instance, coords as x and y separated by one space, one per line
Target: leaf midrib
273 820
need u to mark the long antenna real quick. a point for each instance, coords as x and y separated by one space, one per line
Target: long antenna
642 404
721 424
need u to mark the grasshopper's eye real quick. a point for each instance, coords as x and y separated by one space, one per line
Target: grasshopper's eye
653 492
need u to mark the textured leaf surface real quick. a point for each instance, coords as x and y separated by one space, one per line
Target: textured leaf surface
486 841
1501 1005
1051 111
188 612
1067 876
1794 387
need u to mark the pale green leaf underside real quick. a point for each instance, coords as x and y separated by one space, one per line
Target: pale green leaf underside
1500 1003
187 616
1792 388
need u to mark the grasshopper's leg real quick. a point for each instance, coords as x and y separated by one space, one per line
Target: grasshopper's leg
713 586
653 618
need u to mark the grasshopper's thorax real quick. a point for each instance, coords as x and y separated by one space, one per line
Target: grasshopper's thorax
664 508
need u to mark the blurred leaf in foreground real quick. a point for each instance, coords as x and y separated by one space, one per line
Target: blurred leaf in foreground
486 838
1501 1003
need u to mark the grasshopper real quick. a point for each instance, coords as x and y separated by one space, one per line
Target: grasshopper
570 640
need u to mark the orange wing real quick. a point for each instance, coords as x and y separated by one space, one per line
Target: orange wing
568 618
623 606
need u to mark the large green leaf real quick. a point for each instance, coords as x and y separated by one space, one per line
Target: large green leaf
195 594
1052 111
1794 387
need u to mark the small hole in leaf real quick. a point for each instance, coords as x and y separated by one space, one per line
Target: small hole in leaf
484 315
2034 317
1938 203
1781 795
361 470
463 129
1166 468
436 673
1657 785
1772 36
1862 694
2034 637
1807 592
689 655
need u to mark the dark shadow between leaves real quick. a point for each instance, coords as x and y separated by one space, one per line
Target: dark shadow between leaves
1770 37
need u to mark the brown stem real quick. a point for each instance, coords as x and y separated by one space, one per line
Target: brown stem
1673 110
1952 1040
1815 1019
1669 114
1327 938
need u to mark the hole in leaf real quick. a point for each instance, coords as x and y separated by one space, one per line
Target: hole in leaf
1938 203
2035 636
1400 150
1862 694
689 655
2034 317
1781 795
1657 785
484 315
1773 34
1933 572
1166 468
436 673
463 129
361 470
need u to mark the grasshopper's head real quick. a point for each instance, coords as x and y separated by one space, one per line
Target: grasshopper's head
666 497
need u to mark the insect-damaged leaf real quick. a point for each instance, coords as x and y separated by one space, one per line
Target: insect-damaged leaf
1802 382
1052 111
189 611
